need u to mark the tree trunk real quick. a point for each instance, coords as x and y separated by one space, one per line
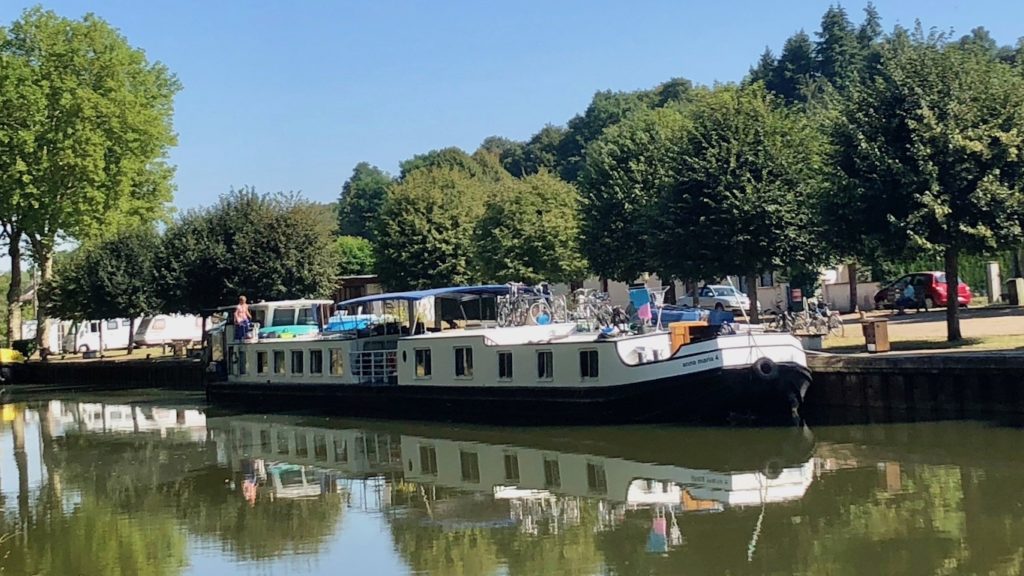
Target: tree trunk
692 289
44 256
131 334
752 294
952 295
14 290
851 271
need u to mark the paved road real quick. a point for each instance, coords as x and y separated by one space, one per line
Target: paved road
974 323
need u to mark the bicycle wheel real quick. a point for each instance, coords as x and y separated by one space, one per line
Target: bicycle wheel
836 326
505 314
559 311
540 313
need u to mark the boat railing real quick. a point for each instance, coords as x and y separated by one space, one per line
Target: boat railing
375 366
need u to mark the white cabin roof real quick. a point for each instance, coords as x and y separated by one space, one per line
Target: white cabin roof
509 335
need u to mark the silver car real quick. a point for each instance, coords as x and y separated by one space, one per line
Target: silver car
720 298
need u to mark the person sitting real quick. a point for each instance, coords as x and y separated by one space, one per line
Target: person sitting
906 300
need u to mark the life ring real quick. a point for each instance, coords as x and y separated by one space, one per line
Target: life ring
765 369
772 469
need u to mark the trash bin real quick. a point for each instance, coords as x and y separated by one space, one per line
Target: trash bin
876 335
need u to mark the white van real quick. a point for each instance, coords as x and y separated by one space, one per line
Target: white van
85 336
58 332
165 328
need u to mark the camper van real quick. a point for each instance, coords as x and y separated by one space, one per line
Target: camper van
85 336
58 332
166 328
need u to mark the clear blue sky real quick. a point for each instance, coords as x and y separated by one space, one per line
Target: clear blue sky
291 95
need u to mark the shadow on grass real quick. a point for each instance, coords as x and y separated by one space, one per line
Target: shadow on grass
915 345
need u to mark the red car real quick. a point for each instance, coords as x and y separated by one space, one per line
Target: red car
931 286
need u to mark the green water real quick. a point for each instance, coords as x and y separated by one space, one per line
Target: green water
165 485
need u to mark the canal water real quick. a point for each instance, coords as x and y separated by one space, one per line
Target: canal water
147 485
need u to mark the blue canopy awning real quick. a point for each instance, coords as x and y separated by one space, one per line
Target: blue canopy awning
456 292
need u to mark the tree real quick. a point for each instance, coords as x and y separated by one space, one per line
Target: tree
125 277
354 255
85 144
764 69
361 199
748 175
529 232
424 232
795 68
263 246
837 50
606 109
870 30
452 158
626 170
931 152
539 152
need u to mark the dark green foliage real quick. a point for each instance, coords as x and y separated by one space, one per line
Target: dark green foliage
762 71
747 182
795 68
539 153
606 109
838 51
361 199
263 246
424 232
627 168
354 255
454 159
529 232
931 154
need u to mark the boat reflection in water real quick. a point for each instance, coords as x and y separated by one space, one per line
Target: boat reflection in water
539 481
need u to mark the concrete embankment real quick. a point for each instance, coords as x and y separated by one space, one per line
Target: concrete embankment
184 374
918 386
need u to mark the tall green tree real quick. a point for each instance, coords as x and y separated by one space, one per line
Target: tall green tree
455 159
361 199
626 171
540 152
933 155
837 51
529 232
125 276
748 177
84 147
354 255
263 246
606 109
424 232
795 68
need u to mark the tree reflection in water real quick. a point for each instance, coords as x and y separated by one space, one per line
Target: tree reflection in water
922 498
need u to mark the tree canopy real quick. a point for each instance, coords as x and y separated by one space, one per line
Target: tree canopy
931 153
361 199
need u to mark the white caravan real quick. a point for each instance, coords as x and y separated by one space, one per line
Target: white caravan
166 328
85 336
58 332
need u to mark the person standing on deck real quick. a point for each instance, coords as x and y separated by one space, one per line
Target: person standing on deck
243 319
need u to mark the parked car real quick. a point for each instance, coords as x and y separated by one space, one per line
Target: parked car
930 287
720 298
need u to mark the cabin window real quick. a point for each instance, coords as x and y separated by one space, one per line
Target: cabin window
504 365
511 467
265 441
278 361
301 445
284 317
232 361
337 361
111 324
423 362
126 322
94 327
588 364
320 447
316 361
552 475
545 365
242 363
597 482
428 460
470 466
259 317
262 364
158 324
297 361
282 441
306 317
464 362
340 450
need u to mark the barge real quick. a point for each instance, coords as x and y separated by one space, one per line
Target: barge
440 355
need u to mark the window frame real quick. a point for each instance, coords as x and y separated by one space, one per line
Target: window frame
279 363
301 355
426 364
591 360
466 362
549 366
320 365
336 368
262 362
501 364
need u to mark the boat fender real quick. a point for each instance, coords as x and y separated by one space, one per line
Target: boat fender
765 369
